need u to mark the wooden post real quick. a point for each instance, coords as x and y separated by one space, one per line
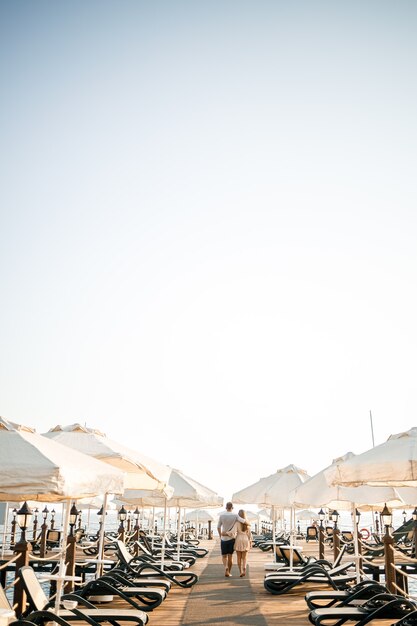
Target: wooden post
35 525
321 541
210 532
70 562
136 539
19 597
388 541
44 528
336 542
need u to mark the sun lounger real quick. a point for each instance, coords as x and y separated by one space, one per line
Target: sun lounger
328 598
39 605
135 569
300 562
382 606
337 578
312 533
144 597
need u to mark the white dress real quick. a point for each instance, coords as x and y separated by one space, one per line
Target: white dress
243 538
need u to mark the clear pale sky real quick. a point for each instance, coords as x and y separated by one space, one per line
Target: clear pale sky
208 227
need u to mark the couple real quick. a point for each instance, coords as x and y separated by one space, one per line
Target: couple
235 534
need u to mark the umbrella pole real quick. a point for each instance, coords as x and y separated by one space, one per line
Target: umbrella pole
179 533
61 571
163 534
6 517
356 543
153 527
99 567
292 524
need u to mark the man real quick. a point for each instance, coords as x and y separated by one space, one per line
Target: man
226 523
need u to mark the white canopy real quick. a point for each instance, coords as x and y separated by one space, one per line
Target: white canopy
35 468
187 493
273 490
392 463
317 492
142 472
202 515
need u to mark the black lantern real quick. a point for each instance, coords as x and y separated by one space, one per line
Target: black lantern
386 517
322 516
357 516
24 515
122 514
415 514
404 514
335 517
45 513
136 514
73 518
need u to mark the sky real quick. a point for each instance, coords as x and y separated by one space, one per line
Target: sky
208 227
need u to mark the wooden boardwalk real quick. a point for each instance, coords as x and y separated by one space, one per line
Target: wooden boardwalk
217 600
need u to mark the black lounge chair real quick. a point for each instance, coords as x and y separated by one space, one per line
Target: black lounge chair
39 606
301 563
381 606
312 533
185 549
135 569
407 620
338 578
326 599
144 597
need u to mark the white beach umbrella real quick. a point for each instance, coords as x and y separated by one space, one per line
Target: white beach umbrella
35 468
202 515
264 513
392 463
317 492
305 515
142 472
273 491
187 493
184 491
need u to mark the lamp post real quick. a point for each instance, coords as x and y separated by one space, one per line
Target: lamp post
136 514
70 551
44 528
13 528
122 514
24 516
52 519
356 518
35 523
415 532
322 516
336 534
404 514
388 539
80 519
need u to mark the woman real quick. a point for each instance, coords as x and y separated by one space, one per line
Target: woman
243 543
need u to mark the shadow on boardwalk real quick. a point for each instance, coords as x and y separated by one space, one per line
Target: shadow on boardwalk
220 600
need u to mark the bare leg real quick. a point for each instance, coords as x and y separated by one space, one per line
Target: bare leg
224 559
230 562
244 561
239 560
